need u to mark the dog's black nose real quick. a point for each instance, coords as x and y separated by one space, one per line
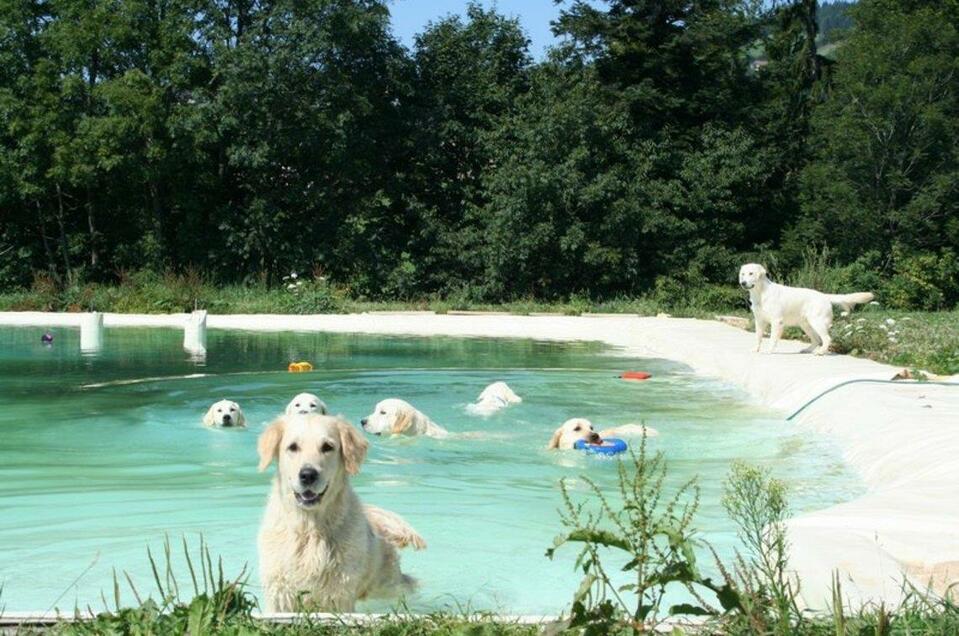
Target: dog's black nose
227 417
308 475
594 437
363 422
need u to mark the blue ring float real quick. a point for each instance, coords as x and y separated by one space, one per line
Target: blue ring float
610 446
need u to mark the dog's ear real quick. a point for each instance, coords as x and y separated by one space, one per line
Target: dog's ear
268 445
763 272
208 417
321 408
353 446
554 441
289 407
240 417
403 421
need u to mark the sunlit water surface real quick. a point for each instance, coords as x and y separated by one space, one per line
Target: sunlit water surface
91 476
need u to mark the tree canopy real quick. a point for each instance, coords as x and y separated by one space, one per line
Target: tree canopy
660 143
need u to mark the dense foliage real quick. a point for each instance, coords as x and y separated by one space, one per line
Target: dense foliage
833 18
648 154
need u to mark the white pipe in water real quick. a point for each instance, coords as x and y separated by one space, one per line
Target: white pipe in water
91 331
194 332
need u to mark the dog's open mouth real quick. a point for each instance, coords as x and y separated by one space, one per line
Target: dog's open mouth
308 498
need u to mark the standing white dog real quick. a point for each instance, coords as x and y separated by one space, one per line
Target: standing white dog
319 548
778 306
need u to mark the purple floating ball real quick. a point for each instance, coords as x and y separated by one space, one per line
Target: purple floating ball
47 338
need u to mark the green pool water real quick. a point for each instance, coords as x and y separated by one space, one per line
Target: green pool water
95 469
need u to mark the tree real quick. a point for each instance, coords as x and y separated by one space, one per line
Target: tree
675 64
886 175
469 75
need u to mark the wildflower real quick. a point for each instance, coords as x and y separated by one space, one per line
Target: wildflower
293 275
291 286
861 320
892 340
890 321
875 302
844 314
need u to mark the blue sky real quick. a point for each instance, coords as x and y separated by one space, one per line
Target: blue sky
410 16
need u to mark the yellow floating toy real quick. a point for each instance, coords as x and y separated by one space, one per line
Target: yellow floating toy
299 367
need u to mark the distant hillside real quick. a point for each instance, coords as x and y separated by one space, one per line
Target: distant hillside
833 17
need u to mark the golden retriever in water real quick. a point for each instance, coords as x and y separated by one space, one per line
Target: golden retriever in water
319 548
398 417
496 396
571 431
778 306
225 414
304 403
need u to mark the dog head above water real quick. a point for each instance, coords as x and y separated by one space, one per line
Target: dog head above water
225 414
751 275
305 403
391 417
314 453
571 431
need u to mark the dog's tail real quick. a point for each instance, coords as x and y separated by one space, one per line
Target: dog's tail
848 301
393 528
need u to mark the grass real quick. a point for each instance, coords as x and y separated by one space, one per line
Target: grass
147 620
927 340
152 293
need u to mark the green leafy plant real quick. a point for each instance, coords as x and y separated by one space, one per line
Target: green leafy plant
757 504
654 531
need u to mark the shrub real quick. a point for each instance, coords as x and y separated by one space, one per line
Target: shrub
686 294
310 296
817 272
924 281
767 595
859 335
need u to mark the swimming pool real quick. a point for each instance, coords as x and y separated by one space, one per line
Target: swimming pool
95 468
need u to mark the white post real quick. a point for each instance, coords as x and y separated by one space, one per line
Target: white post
194 332
91 331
